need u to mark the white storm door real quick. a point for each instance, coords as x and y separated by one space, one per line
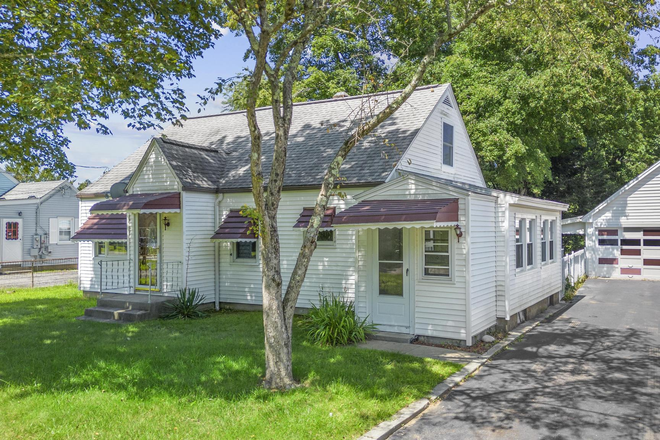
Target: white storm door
12 239
391 291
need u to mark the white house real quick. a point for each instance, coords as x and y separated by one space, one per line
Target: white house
418 241
622 234
37 218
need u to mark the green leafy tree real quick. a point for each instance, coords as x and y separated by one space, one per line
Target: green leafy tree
75 62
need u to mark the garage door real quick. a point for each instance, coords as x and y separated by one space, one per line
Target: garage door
629 252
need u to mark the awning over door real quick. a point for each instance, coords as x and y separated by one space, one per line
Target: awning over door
399 213
103 227
152 202
306 214
235 227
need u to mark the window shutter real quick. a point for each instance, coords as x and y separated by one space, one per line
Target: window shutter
54 231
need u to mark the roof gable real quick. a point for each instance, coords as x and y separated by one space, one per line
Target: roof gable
154 173
33 190
122 172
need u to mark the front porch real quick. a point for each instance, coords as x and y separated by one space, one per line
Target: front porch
121 308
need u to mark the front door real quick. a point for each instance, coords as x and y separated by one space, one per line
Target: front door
391 292
147 247
12 239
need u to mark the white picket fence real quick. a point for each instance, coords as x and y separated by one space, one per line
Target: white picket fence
574 266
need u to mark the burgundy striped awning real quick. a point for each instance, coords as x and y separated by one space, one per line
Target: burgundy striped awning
103 227
235 228
306 214
428 212
153 202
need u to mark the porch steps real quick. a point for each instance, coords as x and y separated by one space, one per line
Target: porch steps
124 308
391 337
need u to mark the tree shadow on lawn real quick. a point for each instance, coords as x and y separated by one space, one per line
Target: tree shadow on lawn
45 350
566 380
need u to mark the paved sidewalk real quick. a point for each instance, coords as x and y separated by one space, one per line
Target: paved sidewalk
423 351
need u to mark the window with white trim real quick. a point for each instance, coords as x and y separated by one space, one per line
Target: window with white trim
531 238
544 241
61 229
553 231
437 257
326 237
245 251
447 145
520 239
110 249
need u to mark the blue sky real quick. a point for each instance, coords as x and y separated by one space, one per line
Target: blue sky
225 60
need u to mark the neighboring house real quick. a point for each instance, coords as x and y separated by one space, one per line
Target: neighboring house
622 234
38 219
419 242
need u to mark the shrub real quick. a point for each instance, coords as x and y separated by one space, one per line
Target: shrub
334 322
571 289
186 305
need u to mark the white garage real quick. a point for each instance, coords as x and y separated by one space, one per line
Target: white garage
622 234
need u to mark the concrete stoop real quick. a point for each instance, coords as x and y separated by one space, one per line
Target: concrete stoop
126 308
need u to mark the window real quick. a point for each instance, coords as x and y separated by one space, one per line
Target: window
110 248
631 242
520 232
608 237
447 145
553 229
544 241
61 229
11 231
245 250
531 236
64 226
436 253
326 238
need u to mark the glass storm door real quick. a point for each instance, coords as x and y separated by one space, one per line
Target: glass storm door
391 309
148 247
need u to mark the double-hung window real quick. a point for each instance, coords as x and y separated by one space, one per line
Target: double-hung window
447 145
520 239
436 253
553 231
531 237
544 241
61 229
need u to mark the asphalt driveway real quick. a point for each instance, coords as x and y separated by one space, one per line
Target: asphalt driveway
593 372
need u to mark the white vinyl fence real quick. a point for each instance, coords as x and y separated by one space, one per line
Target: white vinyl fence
574 266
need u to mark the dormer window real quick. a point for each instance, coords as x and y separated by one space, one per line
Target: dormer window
447 145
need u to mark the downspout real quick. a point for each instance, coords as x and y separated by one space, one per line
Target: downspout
468 299
216 250
507 256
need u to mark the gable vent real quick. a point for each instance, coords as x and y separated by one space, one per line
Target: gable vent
447 102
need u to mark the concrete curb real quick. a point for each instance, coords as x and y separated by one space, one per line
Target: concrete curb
385 429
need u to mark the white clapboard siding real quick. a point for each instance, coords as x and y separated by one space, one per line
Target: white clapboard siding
440 305
483 262
198 252
529 286
155 175
60 204
333 268
424 155
502 244
172 251
88 270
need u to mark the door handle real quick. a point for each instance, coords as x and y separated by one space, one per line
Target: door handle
407 271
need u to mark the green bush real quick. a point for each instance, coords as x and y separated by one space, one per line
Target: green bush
571 289
186 305
334 322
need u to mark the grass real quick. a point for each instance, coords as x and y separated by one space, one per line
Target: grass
62 378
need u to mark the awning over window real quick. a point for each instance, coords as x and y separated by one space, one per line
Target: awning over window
235 228
399 213
153 202
306 214
103 227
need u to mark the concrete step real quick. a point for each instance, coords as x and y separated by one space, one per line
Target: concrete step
133 302
115 314
103 313
403 338
106 321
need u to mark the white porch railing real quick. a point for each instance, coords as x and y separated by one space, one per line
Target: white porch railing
117 276
574 266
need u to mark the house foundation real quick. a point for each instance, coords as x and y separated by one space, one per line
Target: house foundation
529 313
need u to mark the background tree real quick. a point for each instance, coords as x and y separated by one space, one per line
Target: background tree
75 62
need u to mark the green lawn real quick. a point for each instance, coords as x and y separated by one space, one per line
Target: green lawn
62 378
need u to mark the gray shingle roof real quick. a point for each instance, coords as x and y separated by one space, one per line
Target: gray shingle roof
318 130
121 172
31 190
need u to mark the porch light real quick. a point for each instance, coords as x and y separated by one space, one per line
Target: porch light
459 232
166 222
